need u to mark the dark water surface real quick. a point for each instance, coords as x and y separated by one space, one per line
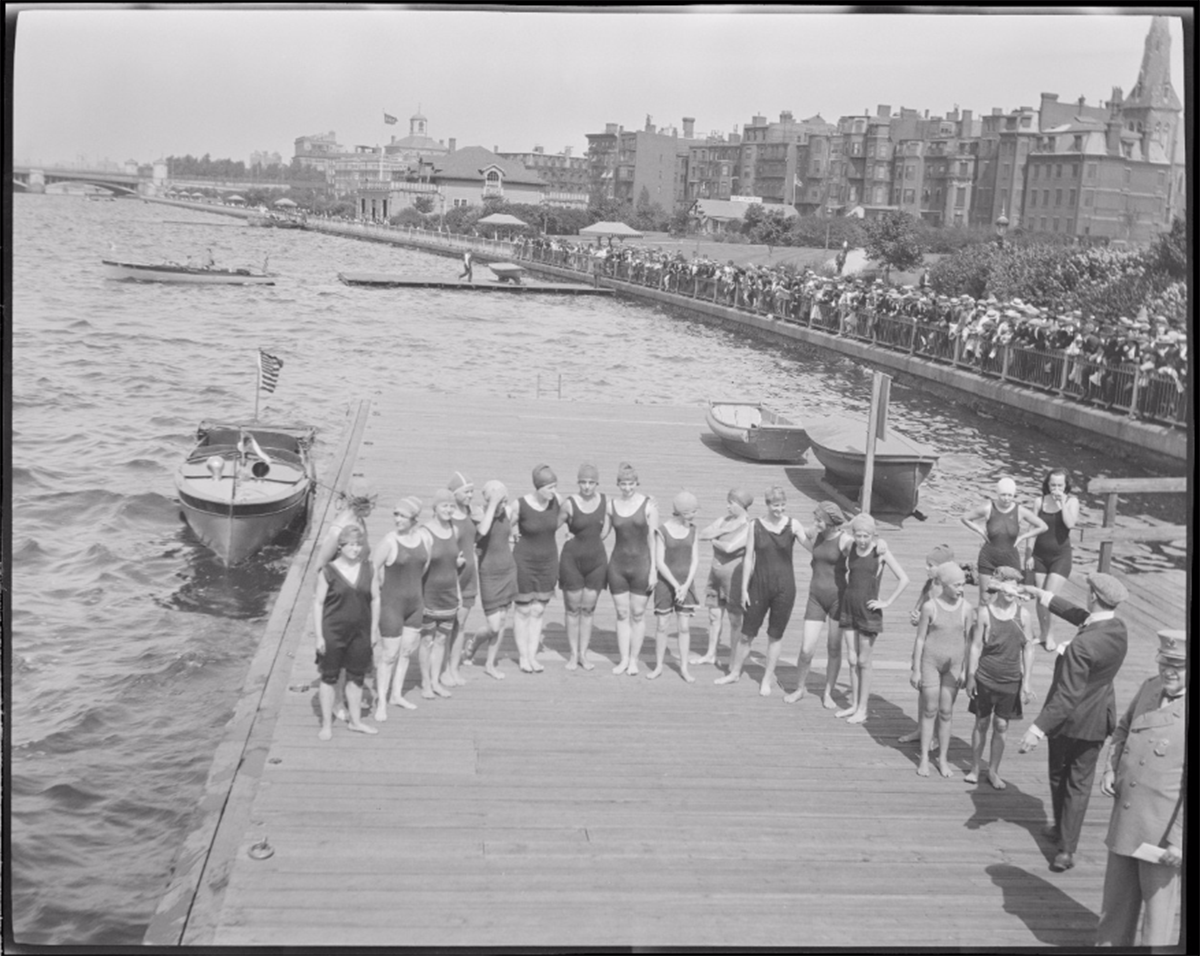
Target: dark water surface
130 643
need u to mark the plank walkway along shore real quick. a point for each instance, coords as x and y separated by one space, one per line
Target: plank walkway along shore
581 808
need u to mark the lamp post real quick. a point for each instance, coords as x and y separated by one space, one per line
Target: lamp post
1001 229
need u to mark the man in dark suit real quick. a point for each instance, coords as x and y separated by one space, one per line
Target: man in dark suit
1081 706
1144 774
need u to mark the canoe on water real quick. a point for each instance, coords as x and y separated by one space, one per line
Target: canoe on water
195 275
754 431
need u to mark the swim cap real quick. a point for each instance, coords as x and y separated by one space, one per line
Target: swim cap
685 502
950 573
443 495
741 496
409 507
862 522
833 514
940 554
625 472
459 481
494 490
544 475
588 472
1006 486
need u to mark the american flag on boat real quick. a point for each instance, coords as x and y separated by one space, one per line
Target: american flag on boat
268 370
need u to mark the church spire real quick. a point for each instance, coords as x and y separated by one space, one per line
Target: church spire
1153 87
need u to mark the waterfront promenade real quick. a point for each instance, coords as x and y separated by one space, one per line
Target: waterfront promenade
584 809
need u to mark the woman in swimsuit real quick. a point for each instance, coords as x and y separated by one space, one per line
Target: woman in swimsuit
1051 553
583 566
398 610
728 535
998 523
464 520
440 592
766 582
497 575
535 517
824 606
939 555
862 612
939 660
677 555
631 571
342 610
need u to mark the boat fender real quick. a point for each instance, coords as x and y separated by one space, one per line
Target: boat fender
216 467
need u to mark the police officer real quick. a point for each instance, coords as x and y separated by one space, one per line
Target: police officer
1144 775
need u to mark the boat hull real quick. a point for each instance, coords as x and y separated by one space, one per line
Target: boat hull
248 501
145 272
755 432
896 480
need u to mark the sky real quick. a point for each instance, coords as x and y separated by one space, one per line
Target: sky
120 83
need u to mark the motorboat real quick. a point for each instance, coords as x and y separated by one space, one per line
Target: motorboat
752 430
901 464
244 484
187 274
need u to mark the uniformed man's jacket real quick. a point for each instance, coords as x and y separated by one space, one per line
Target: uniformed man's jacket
1147 755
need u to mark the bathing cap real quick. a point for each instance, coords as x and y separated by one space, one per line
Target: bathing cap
685 502
459 480
940 554
588 472
625 472
1006 486
862 522
833 514
443 495
494 490
950 573
409 507
741 496
544 475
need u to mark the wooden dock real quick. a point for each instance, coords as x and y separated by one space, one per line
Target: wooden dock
384 281
584 809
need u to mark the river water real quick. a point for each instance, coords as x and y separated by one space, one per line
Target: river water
130 643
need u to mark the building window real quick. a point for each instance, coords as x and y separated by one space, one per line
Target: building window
1087 198
964 169
1074 170
1077 144
1162 179
1071 198
856 149
1043 224
960 197
1032 198
1091 170
1058 197
909 195
1058 170
1026 122
1037 171
910 172
1128 175
1055 224
1003 199
1070 227
1006 171
1045 197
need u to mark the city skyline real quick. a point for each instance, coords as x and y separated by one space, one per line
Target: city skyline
143 84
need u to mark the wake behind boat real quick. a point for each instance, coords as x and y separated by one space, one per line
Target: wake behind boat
244 484
176 272
754 431
901 464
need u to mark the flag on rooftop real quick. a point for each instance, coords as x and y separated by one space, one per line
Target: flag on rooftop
268 370
389 119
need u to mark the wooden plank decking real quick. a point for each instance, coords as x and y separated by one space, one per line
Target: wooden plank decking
580 808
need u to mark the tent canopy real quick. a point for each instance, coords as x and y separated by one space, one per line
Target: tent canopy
618 229
501 219
235 199
284 202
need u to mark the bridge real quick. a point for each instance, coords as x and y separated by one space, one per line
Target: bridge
37 178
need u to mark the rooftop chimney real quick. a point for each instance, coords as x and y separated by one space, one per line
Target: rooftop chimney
453 144
539 149
785 116
689 127
997 110
884 112
757 120
1082 100
495 149
567 151
610 127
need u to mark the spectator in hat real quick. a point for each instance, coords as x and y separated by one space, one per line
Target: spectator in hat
1144 776
1081 706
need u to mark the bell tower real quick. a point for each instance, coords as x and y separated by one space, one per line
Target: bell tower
1152 109
417 124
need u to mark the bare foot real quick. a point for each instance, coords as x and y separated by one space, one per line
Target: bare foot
934 746
703 659
427 693
654 673
686 676
728 679
340 714
572 664
361 728
325 733
794 696
1050 645
441 691
923 768
764 689
401 702
909 737
586 664
846 711
380 712
633 669
536 667
828 702
857 717
995 781
972 775
621 667
945 769
493 672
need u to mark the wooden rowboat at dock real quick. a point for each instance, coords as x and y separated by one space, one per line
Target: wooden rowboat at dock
752 430
900 463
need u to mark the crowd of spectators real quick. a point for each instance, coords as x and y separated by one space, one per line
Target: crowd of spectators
1077 355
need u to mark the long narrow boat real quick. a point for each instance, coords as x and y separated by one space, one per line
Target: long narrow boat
900 463
244 484
197 275
757 432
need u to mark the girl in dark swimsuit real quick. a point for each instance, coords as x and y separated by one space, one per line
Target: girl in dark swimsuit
998 523
497 575
464 519
440 593
1051 552
677 555
535 516
631 572
399 610
583 566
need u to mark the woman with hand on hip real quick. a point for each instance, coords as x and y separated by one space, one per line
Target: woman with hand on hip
631 572
497 575
535 517
1051 552
728 535
398 611
998 523
439 592
583 565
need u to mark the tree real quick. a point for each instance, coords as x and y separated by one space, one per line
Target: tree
1169 252
893 240
770 229
423 204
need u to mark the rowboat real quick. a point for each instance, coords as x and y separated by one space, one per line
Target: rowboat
757 432
244 484
506 271
900 463
174 272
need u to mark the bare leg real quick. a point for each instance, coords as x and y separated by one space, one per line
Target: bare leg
851 647
660 645
741 651
1052 583
768 678
495 634
999 728
340 711
833 653
325 694
537 612
929 712
715 618
571 600
354 695
586 612
425 660
621 603
978 742
946 696
983 583
637 629
685 645
521 636
452 677
436 656
387 653
410 638
808 646
866 644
